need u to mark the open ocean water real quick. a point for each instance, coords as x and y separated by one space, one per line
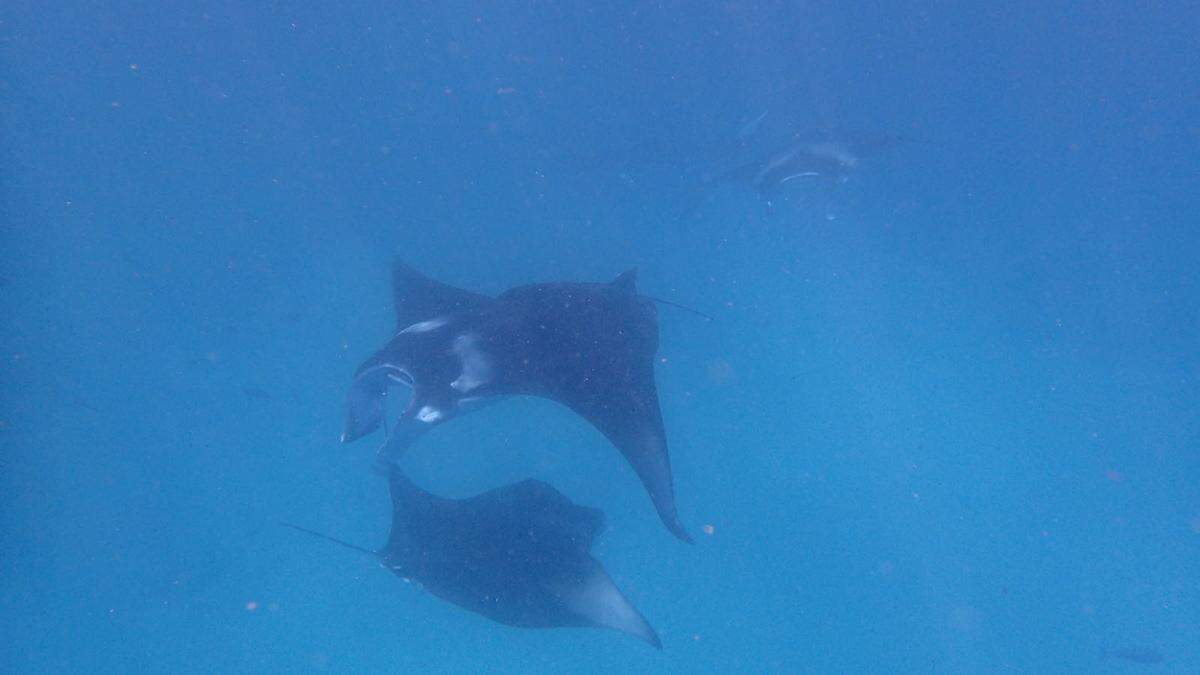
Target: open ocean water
944 418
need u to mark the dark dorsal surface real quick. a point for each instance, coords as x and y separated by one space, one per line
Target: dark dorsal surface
519 555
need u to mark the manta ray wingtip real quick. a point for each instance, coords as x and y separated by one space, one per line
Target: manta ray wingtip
670 518
626 281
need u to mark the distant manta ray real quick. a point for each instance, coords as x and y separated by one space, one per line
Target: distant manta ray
587 346
519 555
824 158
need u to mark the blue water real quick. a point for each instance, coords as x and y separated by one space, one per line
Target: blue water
944 420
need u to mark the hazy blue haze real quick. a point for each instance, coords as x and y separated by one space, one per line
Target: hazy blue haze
952 428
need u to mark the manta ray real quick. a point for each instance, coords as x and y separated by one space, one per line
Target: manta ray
519 555
821 156
587 346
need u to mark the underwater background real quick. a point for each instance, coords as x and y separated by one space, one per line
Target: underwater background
944 419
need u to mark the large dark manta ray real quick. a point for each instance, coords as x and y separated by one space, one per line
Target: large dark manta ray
588 346
519 555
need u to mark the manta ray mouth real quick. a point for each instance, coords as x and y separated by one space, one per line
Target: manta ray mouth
366 409
395 375
401 376
802 174
392 374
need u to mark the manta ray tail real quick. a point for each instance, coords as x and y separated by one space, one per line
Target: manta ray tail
335 540
676 305
626 282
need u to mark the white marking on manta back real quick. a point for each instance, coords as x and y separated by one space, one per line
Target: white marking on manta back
802 174
429 414
476 366
425 326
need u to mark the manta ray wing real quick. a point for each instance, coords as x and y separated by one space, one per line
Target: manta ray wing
418 298
591 347
624 407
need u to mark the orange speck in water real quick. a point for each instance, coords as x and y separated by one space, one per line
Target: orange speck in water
251 606
709 530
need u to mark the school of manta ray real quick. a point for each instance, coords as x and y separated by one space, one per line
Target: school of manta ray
519 554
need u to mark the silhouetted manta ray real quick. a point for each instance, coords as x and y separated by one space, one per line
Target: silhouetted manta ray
519 555
825 156
588 346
